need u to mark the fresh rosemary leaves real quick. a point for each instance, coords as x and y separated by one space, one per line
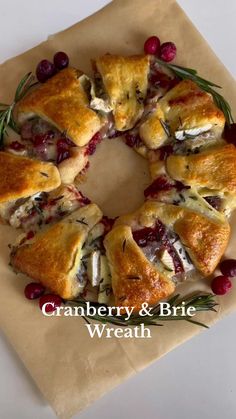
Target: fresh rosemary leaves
185 73
6 111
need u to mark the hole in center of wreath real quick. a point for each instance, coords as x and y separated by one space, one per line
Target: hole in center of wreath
116 178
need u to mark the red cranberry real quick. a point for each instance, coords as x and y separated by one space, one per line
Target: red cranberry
165 151
132 140
229 133
152 45
174 82
30 235
115 134
63 150
52 301
45 69
228 267
159 79
41 139
84 200
61 60
108 223
91 147
145 235
175 257
159 184
168 51
34 290
221 285
16 146
214 201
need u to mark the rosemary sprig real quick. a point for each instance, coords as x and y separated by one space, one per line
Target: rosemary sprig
6 111
201 302
185 73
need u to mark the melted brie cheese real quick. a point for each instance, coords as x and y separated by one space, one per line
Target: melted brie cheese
193 132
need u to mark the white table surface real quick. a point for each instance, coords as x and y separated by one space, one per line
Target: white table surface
196 380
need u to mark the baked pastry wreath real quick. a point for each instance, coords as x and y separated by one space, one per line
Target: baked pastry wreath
169 115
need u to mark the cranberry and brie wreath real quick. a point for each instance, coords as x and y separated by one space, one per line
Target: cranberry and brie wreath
175 120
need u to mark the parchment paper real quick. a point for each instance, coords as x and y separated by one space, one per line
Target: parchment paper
71 369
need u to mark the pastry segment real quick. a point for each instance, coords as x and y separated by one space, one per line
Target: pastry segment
135 279
63 102
188 113
22 177
125 82
211 172
214 168
53 256
205 239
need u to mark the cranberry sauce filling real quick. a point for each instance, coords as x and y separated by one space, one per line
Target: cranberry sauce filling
229 133
133 140
165 151
159 82
63 149
46 209
162 183
108 223
16 146
214 201
162 237
41 140
92 145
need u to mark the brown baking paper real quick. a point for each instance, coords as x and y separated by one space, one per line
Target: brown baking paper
71 369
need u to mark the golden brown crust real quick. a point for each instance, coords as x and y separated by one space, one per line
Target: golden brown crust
71 167
214 168
186 106
125 80
22 177
53 256
151 130
134 279
205 239
63 102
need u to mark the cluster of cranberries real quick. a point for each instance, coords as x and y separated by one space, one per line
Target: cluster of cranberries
49 301
46 69
166 51
222 284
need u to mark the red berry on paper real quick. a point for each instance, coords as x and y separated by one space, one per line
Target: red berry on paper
228 267
34 290
61 60
152 45
168 51
221 285
49 302
45 69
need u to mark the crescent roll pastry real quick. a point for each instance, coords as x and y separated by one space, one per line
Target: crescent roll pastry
184 232
152 130
22 177
187 112
214 168
135 279
63 102
53 256
44 208
123 81
212 172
